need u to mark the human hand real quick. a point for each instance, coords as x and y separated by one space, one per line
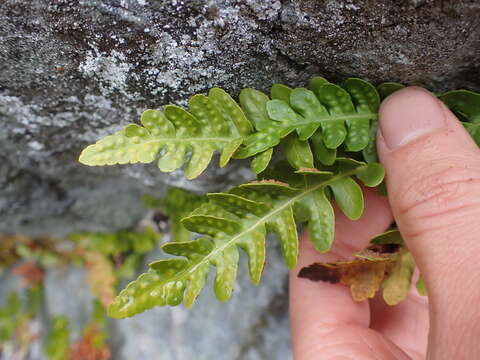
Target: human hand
433 179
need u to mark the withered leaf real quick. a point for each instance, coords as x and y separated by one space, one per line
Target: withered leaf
362 275
90 347
421 288
389 264
30 273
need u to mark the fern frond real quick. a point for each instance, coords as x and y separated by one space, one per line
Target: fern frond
317 120
340 115
214 123
399 279
241 218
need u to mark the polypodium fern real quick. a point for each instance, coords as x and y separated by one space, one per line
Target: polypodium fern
176 204
241 218
313 122
325 126
215 122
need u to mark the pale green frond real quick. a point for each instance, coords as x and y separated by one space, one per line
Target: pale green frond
241 218
214 123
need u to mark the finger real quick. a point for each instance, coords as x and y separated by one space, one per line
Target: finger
405 324
322 312
433 180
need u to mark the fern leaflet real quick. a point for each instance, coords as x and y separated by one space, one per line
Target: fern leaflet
464 103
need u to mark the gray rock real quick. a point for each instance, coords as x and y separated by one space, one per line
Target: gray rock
67 294
74 71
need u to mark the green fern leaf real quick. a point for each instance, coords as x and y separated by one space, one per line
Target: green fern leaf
421 287
260 161
466 105
387 88
214 123
388 237
281 92
241 219
323 154
298 152
58 340
342 115
327 115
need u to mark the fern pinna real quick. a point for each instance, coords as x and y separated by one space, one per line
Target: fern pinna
324 136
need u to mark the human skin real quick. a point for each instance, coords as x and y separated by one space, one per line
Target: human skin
433 178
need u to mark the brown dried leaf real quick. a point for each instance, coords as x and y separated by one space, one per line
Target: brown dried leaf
30 273
8 255
88 347
364 274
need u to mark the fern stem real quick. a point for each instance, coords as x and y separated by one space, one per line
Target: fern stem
320 119
183 139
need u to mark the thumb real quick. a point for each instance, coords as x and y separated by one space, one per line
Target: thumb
433 180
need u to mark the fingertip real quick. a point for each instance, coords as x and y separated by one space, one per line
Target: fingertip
407 114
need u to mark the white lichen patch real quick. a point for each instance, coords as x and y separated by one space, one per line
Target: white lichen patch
265 10
35 145
186 63
111 70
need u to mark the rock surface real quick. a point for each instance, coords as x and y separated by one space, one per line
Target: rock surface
73 71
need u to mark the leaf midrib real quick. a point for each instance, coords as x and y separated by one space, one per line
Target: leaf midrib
190 139
169 140
318 120
291 201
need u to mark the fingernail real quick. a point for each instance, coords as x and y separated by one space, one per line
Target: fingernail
407 114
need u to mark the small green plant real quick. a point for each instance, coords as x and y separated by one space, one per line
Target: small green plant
91 345
58 340
16 318
122 250
308 147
